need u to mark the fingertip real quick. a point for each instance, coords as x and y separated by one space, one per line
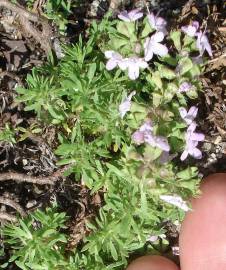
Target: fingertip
152 262
203 232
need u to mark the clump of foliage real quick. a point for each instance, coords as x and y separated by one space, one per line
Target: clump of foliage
7 134
37 242
126 129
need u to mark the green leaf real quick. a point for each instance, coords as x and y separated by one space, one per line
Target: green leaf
157 99
188 173
146 30
170 60
151 153
113 251
127 29
87 180
66 161
185 65
21 265
166 72
156 79
188 41
55 114
176 37
117 43
192 94
195 71
91 71
170 92
48 232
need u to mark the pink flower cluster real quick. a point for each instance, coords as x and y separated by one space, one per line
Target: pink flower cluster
192 138
144 135
202 42
152 45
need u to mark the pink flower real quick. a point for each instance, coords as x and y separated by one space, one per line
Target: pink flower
157 141
115 59
144 135
191 30
147 126
184 87
153 46
153 238
130 16
175 200
138 136
192 139
158 23
203 44
176 251
133 64
188 116
125 106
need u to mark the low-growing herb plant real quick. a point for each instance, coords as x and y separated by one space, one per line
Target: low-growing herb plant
125 102
37 241
7 135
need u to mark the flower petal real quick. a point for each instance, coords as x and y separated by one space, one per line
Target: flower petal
138 137
133 93
159 49
162 143
123 64
192 127
109 54
111 64
183 112
196 153
148 54
208 48
124 16
150 139
133 71
193 111
142 64
184 155
160 22
157 37
135 14
124 107
196 24
197 137
151 19
147 126
184 87
164 158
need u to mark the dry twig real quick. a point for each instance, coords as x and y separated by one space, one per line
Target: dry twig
13 204
21 177
25 18
12 76
8 217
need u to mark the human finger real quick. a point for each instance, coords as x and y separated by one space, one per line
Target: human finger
203 232
152 262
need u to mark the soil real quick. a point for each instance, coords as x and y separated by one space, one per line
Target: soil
34 155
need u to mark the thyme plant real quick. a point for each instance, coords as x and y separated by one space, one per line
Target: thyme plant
124 102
